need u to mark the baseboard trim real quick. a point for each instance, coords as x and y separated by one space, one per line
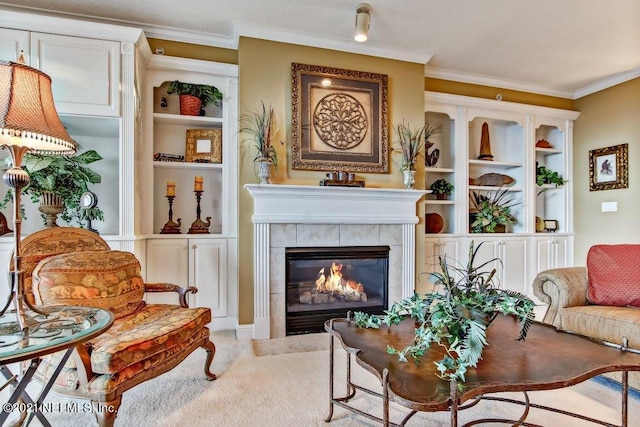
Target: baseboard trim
244 332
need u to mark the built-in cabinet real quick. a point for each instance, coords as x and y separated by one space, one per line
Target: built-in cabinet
93 69
511 132
205 260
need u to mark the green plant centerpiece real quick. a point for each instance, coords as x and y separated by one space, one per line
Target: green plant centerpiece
259 128
441 188
455 315
207 94
65 176
491 210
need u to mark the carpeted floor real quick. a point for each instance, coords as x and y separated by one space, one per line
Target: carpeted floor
285 383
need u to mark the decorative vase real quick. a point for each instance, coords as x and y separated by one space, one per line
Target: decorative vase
190 105
442 196
409 178
264 170
51 205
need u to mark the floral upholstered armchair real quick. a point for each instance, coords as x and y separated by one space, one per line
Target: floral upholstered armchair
70 266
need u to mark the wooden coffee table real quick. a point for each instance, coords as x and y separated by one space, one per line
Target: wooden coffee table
548 359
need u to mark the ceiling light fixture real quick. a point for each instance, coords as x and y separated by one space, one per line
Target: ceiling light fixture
363 21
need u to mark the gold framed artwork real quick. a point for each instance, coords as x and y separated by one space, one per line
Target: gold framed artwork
608 168
204 146
339 119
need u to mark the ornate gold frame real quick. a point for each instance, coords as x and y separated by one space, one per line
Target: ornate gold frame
210 154
609 168
339 119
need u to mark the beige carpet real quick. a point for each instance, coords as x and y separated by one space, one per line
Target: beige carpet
291 389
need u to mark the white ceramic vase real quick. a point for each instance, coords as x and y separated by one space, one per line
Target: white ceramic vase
409 178
264 171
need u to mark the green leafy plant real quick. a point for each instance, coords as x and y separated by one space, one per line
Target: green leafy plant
411 142
455 315
66 176
208 94
547 176
260 129
489 210
441 186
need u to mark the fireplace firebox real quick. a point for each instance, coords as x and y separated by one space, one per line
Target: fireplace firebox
327 282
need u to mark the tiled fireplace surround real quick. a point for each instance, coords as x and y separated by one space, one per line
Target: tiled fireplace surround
288 216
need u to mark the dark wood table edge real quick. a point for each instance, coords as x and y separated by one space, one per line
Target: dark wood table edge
454 404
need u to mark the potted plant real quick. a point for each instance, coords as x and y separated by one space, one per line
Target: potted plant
194 97
411 142
441 188
545 176
260 129
57 182
455 315
491 212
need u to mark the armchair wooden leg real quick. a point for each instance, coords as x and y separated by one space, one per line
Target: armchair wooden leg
106 412
211 351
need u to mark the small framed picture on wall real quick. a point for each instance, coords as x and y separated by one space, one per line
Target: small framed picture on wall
608 168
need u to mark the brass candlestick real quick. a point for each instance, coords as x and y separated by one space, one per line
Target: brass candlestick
171 227
199 226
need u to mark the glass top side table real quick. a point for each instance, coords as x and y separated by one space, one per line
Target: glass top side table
62 329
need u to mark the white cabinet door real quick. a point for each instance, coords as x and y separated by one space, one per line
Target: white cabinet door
12 42
208 273
513 253
439 247
85 73
167 262
551 252
509 255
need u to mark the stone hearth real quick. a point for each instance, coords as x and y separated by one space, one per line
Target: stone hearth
305 216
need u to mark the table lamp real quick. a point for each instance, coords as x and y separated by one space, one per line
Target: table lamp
29 122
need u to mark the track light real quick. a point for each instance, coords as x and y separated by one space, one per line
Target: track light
363 20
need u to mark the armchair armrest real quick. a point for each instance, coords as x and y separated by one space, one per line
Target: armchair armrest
168 287
561 287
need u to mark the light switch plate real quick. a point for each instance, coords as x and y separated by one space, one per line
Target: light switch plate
609 206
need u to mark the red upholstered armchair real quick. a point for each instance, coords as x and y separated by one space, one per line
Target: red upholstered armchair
70 266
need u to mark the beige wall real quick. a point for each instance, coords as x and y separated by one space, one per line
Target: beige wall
265 75
609 117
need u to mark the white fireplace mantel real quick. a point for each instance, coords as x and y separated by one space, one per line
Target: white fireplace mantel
300 204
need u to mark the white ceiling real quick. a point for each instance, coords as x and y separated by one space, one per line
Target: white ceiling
566 48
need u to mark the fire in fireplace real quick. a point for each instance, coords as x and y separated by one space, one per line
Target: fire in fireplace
327 282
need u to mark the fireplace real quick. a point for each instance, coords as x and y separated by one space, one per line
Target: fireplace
327 282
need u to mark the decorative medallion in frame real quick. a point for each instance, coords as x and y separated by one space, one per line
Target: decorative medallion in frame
339 120
204 146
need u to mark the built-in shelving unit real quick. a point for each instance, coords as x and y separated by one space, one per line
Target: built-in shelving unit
513 132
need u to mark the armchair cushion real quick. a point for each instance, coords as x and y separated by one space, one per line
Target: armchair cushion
105 279
153 330
614 275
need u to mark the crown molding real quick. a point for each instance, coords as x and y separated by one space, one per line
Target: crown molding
69 25
458 76
268 33
194 37
607 83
